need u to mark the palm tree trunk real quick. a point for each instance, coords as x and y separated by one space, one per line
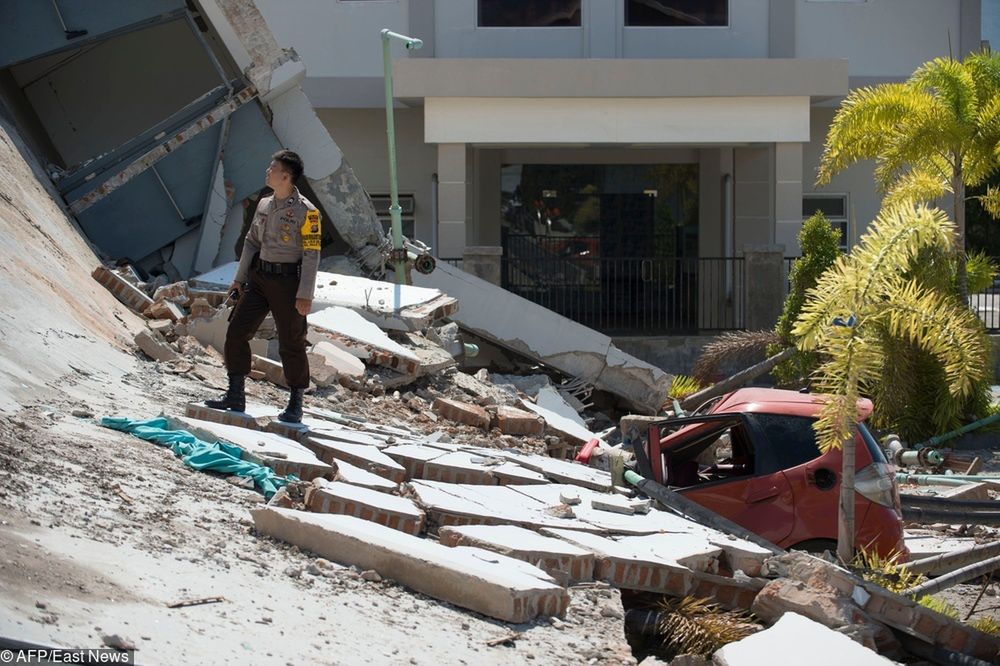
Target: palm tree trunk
845 521
962 280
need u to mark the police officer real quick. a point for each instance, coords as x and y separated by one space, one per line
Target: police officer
277 273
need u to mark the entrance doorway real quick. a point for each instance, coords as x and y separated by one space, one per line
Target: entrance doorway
614 247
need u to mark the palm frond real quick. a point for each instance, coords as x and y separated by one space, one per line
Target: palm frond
952 82
916 186
736 348
864 123
991 201
695 626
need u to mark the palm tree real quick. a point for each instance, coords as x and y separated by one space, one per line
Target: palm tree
934 134
869 301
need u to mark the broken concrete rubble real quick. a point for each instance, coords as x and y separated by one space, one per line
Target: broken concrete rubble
489 583
155 348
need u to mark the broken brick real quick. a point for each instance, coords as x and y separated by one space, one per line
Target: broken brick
122 289
514 421
462 412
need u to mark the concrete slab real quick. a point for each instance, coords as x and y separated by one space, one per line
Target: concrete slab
637 567
795 640
344 364
570 428
255 417
413 458
283 455
356 476
361 455
927 543
344 434
461 467
556 557
351 329
448 504
738 553
390 306
562 471
489 583
397 513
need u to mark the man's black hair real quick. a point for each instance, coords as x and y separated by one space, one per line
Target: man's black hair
291 162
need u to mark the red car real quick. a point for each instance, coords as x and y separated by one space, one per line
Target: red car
751 456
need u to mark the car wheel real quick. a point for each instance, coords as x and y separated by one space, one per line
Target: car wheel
817 546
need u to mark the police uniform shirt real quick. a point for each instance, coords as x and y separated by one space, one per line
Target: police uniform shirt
285 231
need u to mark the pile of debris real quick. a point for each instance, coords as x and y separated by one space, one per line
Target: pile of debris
483 513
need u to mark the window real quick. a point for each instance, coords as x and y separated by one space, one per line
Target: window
408 205
789 441
833 206
529 13
677 13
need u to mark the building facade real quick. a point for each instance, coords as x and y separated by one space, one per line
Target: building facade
624 154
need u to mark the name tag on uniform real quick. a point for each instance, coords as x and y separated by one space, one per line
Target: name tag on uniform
311 232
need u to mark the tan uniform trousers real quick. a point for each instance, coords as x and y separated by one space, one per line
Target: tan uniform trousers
266 292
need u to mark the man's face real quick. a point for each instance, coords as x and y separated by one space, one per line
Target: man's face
275 176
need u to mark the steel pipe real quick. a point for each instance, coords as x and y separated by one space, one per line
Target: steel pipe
954 578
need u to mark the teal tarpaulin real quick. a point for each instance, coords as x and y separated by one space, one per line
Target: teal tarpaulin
220 457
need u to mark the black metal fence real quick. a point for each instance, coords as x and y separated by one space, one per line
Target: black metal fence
634 296
986 304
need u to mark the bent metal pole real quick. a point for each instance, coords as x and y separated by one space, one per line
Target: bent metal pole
395 212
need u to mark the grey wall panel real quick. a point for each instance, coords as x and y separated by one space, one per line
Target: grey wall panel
138 218
248 150
31 28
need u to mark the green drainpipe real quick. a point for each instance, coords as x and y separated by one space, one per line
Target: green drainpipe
395 212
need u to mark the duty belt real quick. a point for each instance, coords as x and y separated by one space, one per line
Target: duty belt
274 268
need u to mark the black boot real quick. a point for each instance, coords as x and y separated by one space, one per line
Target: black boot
293 412
233 399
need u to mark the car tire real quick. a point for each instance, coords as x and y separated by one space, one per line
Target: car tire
817 546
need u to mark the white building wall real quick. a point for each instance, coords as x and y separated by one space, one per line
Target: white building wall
337 38
880 38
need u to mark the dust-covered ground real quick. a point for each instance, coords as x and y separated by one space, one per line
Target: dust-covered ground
101 532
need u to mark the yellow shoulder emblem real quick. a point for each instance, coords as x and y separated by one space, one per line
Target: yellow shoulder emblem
311 233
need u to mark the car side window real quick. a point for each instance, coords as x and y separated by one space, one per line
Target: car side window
788 441
715 455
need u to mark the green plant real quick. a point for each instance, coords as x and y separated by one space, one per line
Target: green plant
820 246
885 571
981 272
987 625
682 386
934 134
939 606
870 301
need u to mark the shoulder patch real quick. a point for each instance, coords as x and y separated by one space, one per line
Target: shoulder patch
311 231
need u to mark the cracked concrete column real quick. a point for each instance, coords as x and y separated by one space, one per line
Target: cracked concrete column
788 195
452 194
